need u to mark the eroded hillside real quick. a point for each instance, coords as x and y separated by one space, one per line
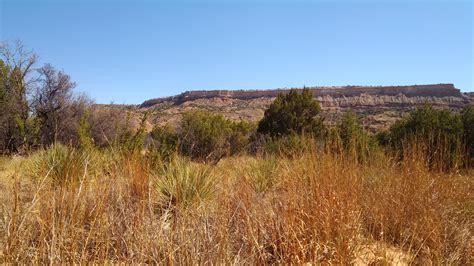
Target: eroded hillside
378 106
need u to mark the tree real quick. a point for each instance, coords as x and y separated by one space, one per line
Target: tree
42 108
16 83
51 102
292 113
106 123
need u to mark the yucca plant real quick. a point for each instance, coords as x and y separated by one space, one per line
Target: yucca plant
263 173
182 183
59 164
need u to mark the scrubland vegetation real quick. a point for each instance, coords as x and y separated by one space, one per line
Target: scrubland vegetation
76 187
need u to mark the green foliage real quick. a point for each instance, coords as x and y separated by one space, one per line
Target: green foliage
83 132
439 132
182 184
467 118
13 109
138 139
3 83
58 165
240 135
263 173
292 145
292 113
165 142
354 139
31 132
204 135
127 140
209 137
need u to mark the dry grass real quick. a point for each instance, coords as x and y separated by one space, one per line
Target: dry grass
317 207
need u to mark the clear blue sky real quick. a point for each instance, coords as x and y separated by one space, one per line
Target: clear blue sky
130 51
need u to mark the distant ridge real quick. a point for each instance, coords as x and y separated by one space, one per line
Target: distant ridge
429 90
377 106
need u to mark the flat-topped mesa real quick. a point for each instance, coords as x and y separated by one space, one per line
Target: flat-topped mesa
431 90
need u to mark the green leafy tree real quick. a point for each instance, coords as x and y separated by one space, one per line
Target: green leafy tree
292 113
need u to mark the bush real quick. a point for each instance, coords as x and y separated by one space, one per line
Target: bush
240 136
204 136
354 139
131 141
292 113
292 145
107 123
164 142
209 137
467 118
438 132
83 133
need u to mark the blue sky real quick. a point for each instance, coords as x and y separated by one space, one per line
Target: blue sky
130 51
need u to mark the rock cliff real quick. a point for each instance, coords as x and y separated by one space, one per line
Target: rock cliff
347 96
378 106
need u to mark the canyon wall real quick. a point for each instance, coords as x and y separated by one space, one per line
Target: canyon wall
340 97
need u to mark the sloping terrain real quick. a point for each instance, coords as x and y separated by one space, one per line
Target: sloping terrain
378 107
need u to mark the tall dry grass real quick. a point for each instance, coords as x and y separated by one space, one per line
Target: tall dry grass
318 206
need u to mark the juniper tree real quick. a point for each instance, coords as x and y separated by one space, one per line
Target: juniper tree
292 113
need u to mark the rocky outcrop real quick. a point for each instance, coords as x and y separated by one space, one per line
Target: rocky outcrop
341 97
379 107
470 95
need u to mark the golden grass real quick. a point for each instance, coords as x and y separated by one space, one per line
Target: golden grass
317 207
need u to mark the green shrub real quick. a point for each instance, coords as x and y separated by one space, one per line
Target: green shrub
131 141
467 118
438 132
240 136
164 142
203 136
292 145
83 132
353 138
182 183
209 137
292 113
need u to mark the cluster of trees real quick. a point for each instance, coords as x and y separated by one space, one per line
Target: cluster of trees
446 137
288 127
293 122
39 107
